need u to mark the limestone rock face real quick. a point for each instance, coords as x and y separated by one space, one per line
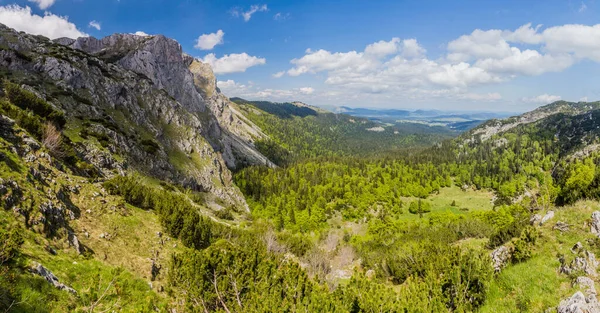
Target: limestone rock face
158 109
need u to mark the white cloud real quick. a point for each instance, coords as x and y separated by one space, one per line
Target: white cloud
43 4
383 48
307 90
141 33
583 7
49 25
209 41
279 74
281 16
248 14
249 91
542 99
232 63
95 25
412 49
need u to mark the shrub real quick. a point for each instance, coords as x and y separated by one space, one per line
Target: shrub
52 139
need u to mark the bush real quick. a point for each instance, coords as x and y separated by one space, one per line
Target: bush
52 139
10 242
419 207
29 101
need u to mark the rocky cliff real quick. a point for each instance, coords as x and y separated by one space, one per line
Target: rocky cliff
137 103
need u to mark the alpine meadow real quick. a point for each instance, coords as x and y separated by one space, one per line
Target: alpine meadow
310 156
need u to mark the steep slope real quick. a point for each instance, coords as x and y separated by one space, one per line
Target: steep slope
154 108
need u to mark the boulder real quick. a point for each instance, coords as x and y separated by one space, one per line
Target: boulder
500 257
595 225
74 242
547 217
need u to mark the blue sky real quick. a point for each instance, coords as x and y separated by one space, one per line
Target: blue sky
454 55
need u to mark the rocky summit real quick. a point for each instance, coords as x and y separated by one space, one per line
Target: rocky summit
159 107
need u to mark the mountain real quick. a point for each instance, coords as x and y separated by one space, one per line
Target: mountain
129 183
138 91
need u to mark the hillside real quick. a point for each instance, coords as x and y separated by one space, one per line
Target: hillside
129 183
298 131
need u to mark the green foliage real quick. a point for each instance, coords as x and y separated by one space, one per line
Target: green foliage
304 195
419 207
178 216
276 153
303 132
29 101
10 242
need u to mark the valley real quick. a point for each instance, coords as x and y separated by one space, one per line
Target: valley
130 183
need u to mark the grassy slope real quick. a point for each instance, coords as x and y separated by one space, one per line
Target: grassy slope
125 259
535 285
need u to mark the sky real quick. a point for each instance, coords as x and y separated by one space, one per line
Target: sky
488 55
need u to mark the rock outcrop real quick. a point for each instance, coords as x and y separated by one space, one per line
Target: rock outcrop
585 262
46 274
153 108
584 301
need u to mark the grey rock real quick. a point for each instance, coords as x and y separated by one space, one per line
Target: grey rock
561 226
535 219
74 242
585 262
578 303
500 257
595 225
45 273
547 217
578 247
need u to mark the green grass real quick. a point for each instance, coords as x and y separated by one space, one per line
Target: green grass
466 201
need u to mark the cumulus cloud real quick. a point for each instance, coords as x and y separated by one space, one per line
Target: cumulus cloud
542 99
248 14
307 90
232 88
95 25
49 25
232 63
209 41
400 68
43 4
141 33
279 74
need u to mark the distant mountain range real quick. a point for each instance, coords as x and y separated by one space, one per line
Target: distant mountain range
455 120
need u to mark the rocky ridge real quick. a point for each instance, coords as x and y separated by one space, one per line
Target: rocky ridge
156 109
